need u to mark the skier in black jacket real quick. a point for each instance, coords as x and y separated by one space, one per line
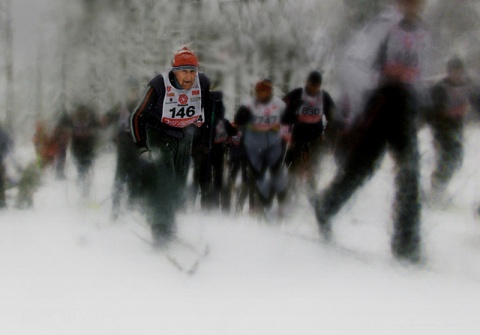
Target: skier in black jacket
308 110
162 128
119 115
389 121
451 98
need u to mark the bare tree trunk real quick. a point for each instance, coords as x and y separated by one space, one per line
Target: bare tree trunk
10 92
39 82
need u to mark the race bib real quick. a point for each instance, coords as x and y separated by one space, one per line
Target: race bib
182 108
266 116
406 51
311 111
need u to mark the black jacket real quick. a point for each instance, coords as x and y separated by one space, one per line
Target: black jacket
303 132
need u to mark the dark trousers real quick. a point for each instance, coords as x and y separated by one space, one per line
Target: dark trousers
171 159
208 174
3 202
201 178
448 141
125 169
389 122
83 152
218 194
303 159
239 164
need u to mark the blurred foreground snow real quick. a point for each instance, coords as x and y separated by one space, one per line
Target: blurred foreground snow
66 269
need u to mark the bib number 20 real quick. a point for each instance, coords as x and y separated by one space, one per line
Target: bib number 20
182 112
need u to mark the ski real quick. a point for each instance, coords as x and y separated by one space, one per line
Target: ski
187 267
368 258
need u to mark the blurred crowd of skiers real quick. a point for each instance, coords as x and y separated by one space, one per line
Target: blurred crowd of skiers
271 145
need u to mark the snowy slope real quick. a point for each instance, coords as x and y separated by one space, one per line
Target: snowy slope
66 269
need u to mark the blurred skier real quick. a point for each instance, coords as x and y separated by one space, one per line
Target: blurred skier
389 121
223 132
6 145
83 126
263 143
238 163
308 110
62 139
209 159
451 98
162 128
127 157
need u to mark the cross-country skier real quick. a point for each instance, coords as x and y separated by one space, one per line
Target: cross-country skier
162 126
451 99
263 142
5 147
388 121
83 127
307 107
238 163
222 131
208 155
126 149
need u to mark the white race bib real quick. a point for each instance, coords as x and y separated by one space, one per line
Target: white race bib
311 111
266 116
406 53
182 108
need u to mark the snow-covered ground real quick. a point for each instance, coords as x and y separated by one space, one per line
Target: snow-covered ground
67 269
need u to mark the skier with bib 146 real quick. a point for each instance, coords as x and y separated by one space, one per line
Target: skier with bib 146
161 126
388 121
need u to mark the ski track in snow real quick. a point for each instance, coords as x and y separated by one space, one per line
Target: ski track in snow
67 269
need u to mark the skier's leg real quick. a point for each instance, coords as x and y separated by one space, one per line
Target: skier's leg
196 159
217 174
233 169
182 167
119 181
315 151
256 145
402 138
60 160
279 176
3 202
359 163
448 141
163 203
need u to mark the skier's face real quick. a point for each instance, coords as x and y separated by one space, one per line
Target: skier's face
186 78
312 89
457 76
411 8
263 96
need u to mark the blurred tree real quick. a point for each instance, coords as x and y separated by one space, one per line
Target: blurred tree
455 26
9 64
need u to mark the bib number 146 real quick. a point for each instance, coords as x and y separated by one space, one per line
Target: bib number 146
182 112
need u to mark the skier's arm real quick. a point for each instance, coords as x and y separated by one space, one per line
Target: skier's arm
293 102
243 116
329 107
138 117
231 130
